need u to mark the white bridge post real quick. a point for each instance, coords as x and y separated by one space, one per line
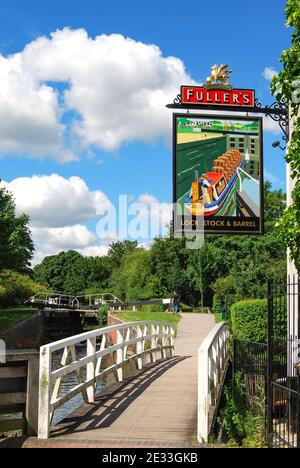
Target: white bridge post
139 348
90 369
44 394
120 355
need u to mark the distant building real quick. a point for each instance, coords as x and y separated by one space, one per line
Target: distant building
253 166
247 145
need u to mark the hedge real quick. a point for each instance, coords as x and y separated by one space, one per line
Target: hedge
152 308
102 315
249 320
15 288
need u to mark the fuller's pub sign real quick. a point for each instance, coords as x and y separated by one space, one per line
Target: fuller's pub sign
218 160
218 91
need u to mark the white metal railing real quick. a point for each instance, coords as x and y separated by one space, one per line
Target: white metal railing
133 342
212 362
97 300
60 299
51 298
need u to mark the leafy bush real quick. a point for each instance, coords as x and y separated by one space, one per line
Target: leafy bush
3 296
136 293
96 290
243 426
197 310
217 304
286 85
16 288
249 320
102 315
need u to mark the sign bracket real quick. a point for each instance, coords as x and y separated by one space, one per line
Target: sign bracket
278 111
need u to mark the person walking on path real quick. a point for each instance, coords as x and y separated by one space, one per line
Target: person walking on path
175 303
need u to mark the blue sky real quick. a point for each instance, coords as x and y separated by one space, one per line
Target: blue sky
248 35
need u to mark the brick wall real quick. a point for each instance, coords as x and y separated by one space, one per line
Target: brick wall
111 321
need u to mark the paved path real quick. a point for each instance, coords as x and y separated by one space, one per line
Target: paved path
157 406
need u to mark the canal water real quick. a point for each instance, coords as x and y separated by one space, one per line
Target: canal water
68 383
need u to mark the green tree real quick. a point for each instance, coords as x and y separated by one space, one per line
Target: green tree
287 85
154 288
224 293
65 273
77 274
118 249
169 259
99 272
129 280
16 246
202 268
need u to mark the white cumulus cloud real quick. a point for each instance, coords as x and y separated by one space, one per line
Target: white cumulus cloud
112 88
29 114
269 73
159 213
70 237
271 125
54 201
95 251
51 241
116 86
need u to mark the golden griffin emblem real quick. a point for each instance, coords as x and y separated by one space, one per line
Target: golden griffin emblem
219 77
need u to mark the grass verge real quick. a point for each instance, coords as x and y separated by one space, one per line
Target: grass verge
13 316
145 316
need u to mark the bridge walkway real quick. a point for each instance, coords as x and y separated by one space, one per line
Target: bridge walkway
157 404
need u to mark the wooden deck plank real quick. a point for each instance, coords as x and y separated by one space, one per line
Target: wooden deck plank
7 399
13 372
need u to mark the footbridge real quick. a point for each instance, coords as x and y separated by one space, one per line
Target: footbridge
140 384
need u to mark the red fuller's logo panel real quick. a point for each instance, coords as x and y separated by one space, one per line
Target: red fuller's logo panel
221 97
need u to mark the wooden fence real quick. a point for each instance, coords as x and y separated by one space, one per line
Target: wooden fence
19 383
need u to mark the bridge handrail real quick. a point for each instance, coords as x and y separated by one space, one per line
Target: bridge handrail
213 359
135 335
77 339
